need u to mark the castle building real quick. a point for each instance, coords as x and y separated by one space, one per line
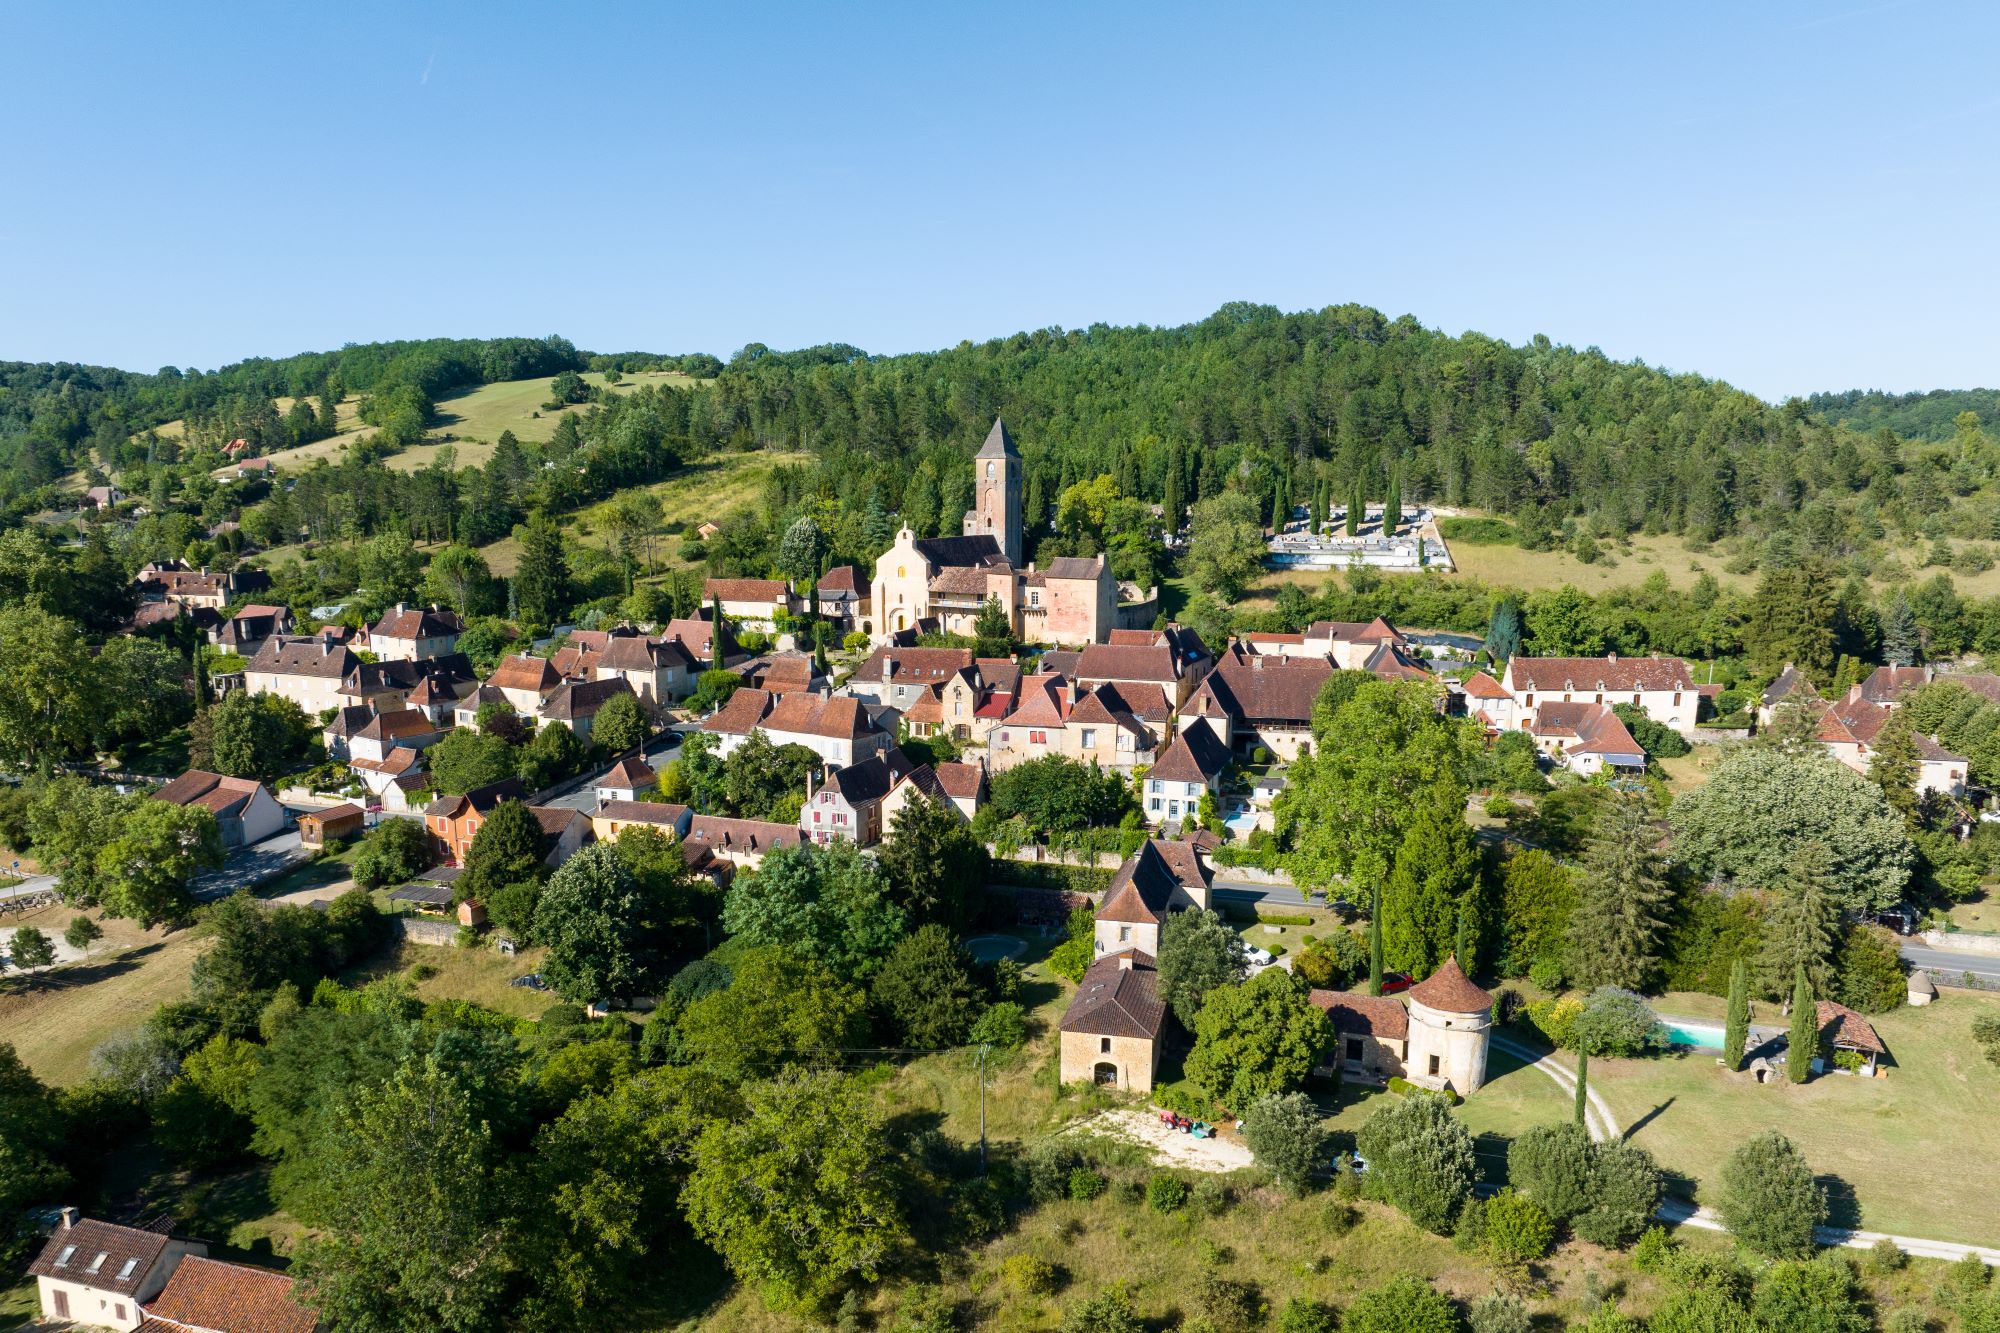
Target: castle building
942 583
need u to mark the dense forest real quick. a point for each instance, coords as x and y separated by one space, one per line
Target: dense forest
1931 415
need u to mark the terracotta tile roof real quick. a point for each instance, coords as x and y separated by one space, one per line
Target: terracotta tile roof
1379 1016
626 652
836 717
523 672
755 836
1982 683
401 724
1843 1027
1195 756
914 666
1280 690
843 579
555 820
1479 685
1377 630
1887 684
349 718
962 782
628 773
1146 702
574 663
1041 703
1110 661
1118 997
927 707
1595 673
1135 638
417 623
213 791
399 760
1390 662
965 580
740 714
746 590
1449 990
287 655
216 1297
574 699
786 673
100 1255
1142 889
693 635
1585 729
662 813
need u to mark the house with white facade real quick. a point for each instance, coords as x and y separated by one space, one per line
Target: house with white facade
1660 687
414 633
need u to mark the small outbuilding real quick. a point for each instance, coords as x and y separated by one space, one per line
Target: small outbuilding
1843 1030
318 828
1922 989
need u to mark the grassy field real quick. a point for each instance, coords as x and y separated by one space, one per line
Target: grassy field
61 1017
1622 565
478 975
1909 1149
699 491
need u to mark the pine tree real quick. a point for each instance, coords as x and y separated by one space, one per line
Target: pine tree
1896 763
1802 1044
1736 1035
1622 899
1901 640
1582 1088
1802 924
1503 632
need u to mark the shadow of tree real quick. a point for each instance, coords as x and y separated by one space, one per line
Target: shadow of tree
1843 1207
1648 1118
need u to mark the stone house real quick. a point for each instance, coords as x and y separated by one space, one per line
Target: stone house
245 811
1587 739
1162 877
1256 701
1191 768
752 603
847 804
1111 1031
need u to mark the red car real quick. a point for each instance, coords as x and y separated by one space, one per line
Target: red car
1393 982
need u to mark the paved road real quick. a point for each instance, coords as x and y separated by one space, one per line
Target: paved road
1944 961
247 867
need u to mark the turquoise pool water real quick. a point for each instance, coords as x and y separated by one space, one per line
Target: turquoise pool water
1690 1034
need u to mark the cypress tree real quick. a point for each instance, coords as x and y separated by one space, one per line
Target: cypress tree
1392 505
1803 1041
715 635
1173 500
1736 1035
1375 943
1357 504
1582 1088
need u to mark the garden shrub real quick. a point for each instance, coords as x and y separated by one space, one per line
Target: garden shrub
1402 1305
1556 1020
1228 1305
1303 1315
1166 1194
1518 1230
1618 1022
1499 1314
1402 1087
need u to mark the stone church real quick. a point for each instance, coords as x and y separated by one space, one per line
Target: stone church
940 583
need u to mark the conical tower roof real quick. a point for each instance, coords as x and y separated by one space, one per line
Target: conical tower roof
1449 989
999 444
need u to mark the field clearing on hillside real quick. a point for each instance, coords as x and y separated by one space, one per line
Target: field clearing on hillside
709 488
1619 567
56 1023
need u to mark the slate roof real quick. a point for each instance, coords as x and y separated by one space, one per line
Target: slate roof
999 442
1379 1016
1605 673
869 781
643 812
216 1297
1448 989
1791 683
481 799
1118 997
983 549
100 1255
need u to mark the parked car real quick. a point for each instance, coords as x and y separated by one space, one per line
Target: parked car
1392 982
1257 957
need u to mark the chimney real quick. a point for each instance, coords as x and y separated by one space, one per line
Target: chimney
68 1217
1611 657
1069 692
1125 961
399 608
888 666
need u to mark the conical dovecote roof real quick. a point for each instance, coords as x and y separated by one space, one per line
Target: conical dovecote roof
999 444
1450 990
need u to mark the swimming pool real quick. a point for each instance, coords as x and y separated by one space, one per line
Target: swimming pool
1693 1034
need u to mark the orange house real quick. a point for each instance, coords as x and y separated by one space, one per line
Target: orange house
452 821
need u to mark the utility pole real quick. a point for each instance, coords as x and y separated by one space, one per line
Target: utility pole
983 1048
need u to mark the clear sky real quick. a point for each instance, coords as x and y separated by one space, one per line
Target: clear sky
1788 196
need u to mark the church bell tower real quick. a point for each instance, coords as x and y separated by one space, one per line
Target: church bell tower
996 507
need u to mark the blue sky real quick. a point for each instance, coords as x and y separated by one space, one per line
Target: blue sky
1791 197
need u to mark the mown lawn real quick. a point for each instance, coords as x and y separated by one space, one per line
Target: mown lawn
1913 1153
57 1018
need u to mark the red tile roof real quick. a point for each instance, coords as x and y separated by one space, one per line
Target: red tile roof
1843 1027
101 1255
522 672
1450 990
1380 1016
746 590
216 1297
1600 673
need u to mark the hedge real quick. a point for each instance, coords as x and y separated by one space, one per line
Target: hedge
1049 875
1266 857
1402 1087
1283 919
